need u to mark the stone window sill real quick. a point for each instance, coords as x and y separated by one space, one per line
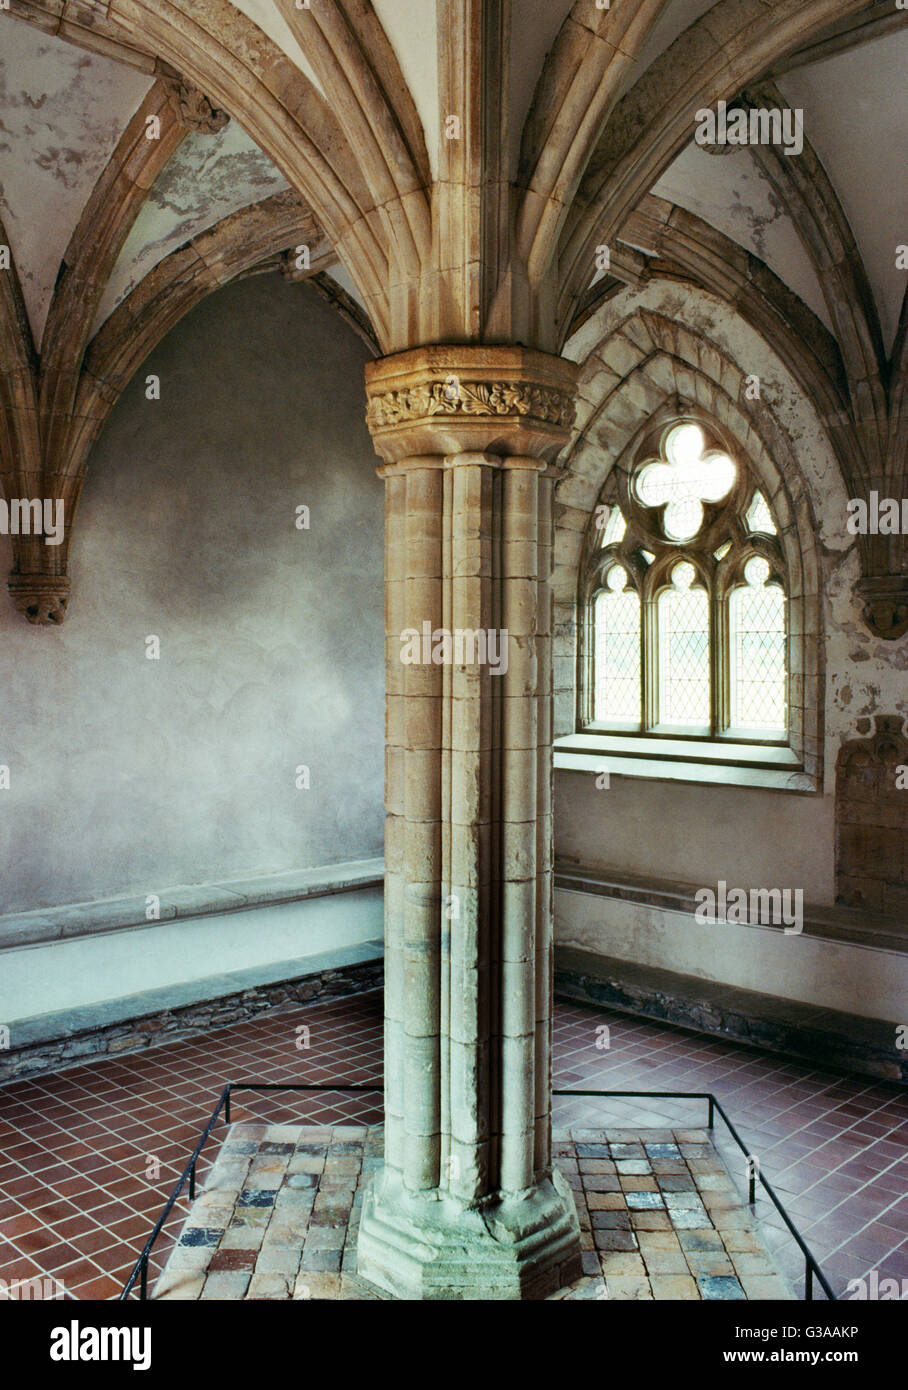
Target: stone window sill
767 766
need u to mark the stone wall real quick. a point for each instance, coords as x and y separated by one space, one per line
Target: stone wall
640 347
872 819
170 1025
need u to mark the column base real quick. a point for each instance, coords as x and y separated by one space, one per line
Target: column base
424 1247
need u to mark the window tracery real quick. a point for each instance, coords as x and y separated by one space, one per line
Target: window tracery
685 594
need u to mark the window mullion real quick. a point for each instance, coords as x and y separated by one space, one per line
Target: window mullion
586 661
677 519
649 637
720 667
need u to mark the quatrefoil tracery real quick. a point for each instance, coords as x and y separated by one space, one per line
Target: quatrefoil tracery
689 475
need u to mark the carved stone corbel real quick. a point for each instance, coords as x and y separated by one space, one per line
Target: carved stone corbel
41 598
884 600
192 108
39 584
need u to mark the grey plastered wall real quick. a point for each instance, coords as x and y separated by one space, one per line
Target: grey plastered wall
131 775
696 834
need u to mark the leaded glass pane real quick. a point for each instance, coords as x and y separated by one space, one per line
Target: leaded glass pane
684 445
614 529
759 517
691 477
617 652
683 479
758 652
683 519
684 652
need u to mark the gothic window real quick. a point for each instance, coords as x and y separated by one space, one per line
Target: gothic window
684 595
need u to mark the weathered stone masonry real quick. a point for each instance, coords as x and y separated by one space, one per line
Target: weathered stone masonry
468 1196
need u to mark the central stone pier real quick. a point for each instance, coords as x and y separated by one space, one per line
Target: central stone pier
468 1204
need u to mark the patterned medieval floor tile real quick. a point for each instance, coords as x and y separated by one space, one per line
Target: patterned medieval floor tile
305 1246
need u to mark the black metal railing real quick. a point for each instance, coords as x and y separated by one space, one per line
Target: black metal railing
754 1173
140 1268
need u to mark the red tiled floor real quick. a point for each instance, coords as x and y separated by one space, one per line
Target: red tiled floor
834 1147
90 1154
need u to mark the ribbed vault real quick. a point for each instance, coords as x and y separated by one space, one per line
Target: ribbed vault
459 243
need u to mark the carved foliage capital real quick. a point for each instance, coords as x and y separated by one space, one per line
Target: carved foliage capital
448 400
455 397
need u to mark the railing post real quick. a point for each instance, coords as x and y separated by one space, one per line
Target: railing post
143 1284
227 1108
712 1109
808 1282
192 1183
752 1195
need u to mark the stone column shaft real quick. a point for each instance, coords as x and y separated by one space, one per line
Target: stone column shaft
473 607
519 811
413 827
468 1204
545 853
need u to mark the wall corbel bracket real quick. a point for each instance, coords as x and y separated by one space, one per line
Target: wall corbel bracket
884 605
191 107
41 598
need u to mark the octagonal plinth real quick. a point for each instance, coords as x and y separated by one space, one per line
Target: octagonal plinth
424 1247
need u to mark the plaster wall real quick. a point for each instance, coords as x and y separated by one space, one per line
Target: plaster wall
209 176
733 194
76 974
696 834
63 112
827 974
130 775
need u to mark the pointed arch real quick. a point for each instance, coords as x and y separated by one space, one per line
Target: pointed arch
897 443
20 447
681 246
174 286
713 59
647 363
350 53
115 202
821 223
583 74
243 71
